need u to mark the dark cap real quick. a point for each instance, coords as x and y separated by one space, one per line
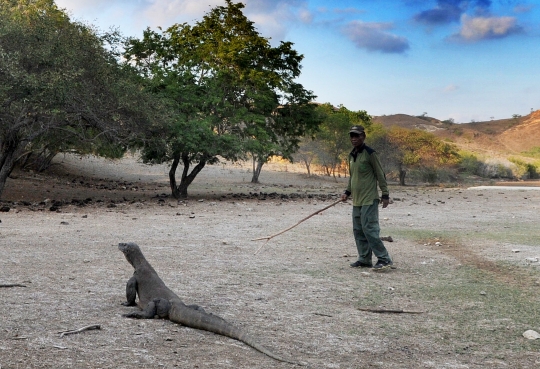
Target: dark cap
357 129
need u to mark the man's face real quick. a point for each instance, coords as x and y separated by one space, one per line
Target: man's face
357 140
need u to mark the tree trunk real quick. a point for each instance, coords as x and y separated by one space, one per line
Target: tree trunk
256 170
8 157
308 165
172 176
402 174
180 191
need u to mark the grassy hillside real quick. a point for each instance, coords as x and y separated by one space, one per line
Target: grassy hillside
518 137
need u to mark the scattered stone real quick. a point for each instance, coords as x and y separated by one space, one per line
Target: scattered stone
64 223
483 293
515 251
532 260
5 209
531 335
438 244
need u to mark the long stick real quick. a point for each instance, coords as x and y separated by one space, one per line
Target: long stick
391 311
74 331
12 285
268 238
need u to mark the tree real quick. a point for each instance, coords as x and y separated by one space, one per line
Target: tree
282 134
232 93
60 88
405 148
334 134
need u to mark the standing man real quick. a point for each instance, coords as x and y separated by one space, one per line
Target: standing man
365 172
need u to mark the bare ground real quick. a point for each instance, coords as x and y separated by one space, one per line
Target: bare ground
461 256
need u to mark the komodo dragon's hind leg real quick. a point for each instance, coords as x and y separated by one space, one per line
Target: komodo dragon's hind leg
157 308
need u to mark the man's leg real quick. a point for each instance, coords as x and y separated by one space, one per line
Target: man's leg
362 244
371 231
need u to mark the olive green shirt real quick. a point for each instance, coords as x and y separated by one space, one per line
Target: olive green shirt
365 171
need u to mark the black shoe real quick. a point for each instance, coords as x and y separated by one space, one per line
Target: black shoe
382 265
358 264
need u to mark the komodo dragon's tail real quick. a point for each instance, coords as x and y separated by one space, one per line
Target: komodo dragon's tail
189 317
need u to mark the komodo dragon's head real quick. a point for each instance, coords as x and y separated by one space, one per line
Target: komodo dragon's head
132 252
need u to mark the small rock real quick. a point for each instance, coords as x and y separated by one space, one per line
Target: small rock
365 274
64 223
438 244
515 251
531 335
532 260
225 242
483 293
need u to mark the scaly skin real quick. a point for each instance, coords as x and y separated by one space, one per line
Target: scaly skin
156 300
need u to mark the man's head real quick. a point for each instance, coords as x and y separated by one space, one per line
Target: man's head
357 135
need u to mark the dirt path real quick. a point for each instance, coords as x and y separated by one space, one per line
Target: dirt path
461 256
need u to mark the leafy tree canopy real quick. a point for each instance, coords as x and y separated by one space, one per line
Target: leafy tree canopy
60 87
231 91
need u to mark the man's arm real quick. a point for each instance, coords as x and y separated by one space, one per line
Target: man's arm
381 179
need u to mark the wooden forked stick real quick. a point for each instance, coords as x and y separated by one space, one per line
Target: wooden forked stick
268 238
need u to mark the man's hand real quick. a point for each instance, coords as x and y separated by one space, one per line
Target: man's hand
344 197
385 202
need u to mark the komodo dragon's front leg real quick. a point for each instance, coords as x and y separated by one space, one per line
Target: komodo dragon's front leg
131 292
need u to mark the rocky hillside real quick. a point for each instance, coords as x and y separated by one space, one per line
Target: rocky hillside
498 138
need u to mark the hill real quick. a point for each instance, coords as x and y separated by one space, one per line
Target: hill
500 138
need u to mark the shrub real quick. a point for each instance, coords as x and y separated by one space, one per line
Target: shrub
470 164
524 170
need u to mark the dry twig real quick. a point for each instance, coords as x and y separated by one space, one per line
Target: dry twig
391 311
11 285
268 238
74 331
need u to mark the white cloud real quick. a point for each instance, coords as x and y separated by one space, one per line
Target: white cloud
482 28
451 88
375 37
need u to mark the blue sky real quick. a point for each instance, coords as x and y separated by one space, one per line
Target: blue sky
460 59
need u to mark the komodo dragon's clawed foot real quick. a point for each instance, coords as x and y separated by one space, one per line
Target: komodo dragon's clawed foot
157 308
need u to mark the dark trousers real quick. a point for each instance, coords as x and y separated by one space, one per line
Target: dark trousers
366 232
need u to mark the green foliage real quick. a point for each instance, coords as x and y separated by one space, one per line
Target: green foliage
60 87
230 91
533 153
469 163
525 170
333 134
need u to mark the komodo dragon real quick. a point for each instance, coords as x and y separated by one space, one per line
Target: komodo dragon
156 300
